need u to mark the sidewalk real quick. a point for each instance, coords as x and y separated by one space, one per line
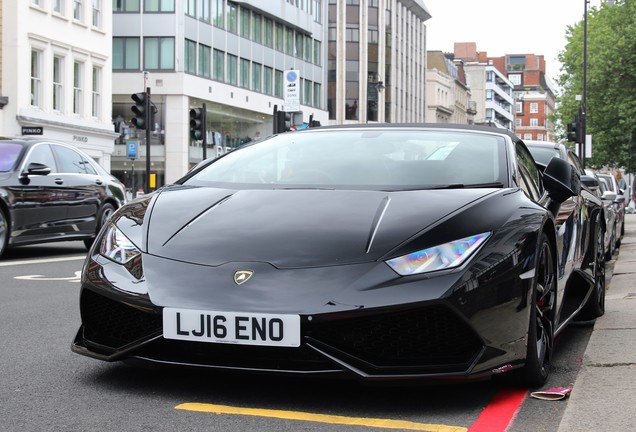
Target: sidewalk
603 397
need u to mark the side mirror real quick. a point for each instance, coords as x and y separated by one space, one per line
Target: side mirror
36 168
608 196
561 180
590 181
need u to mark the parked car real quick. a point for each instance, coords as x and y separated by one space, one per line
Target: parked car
619 205
52 191
379 252
607 197
586 204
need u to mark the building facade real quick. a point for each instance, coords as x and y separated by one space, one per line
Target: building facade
448 97
229 55
66 96
376 61
491 89
533 93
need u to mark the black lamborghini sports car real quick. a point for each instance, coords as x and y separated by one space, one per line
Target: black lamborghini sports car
381 252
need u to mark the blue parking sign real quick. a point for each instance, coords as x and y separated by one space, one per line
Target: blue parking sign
132 149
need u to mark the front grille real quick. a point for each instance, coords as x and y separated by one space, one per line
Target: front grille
236 356
431 336
114 324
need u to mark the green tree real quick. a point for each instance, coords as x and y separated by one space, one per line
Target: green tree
611 81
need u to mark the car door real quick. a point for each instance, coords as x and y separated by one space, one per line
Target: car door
38 205
84 189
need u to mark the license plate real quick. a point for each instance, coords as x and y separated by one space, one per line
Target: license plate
231 327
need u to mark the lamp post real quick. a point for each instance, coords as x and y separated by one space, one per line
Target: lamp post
584 104
378 86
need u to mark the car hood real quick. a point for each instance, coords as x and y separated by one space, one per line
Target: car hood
293 228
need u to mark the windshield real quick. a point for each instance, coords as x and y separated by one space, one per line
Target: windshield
9 153
363 158
543 154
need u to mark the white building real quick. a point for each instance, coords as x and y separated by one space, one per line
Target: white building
492 93
66 47
230 56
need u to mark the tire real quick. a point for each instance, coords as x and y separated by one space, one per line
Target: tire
612 245
105 213
540 341
4 232
595 305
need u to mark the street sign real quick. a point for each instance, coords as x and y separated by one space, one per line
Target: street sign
291 95
132 149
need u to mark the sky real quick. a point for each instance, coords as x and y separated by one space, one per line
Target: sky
502 27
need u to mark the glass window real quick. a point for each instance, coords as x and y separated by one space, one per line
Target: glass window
219 65
159 53
97 13
279 39
257 28
529 171
245 73
9 153
42 153
78 84
306 96
245 23
190 56
190 8
393 160
268 32
308 46
126 53
268 77
77 9
58 83
317 52
317 99
256 76
159 5
36 78
232 69
300 38
289 41
534 108
204 60
58 6
232 17
96 92
519 107
534 122
203 9
515 79
123 5
278 83
218 13
71 162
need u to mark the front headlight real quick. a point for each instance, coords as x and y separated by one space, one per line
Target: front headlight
117 247
442 257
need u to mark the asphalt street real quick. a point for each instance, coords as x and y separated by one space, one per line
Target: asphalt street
604 393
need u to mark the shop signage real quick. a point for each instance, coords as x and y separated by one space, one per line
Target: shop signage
32 130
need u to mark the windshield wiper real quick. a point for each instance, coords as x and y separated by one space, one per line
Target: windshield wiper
455 186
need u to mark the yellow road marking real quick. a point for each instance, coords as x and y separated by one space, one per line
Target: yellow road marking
320 418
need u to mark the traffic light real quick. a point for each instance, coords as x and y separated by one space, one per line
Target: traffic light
140 109
575 130
197 123
288 121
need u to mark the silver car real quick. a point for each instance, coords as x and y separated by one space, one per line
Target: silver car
619 204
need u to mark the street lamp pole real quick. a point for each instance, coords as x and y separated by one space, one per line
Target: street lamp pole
584 105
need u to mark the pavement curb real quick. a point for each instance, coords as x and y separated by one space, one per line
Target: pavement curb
604 391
